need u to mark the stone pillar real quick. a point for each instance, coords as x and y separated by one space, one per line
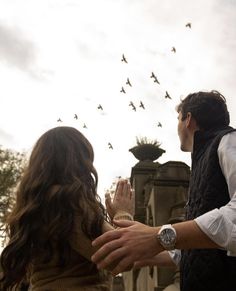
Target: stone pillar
160 195
142 172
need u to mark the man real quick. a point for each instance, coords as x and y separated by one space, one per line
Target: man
208 236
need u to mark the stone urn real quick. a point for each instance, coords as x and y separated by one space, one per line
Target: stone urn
147 152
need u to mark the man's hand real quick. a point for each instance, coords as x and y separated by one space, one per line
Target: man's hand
123 201
163 259
132 242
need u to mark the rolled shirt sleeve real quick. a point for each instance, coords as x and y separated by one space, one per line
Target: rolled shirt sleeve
218 226
175 256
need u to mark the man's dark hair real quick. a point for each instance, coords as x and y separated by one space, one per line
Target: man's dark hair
208 108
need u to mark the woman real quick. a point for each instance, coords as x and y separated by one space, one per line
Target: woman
56 216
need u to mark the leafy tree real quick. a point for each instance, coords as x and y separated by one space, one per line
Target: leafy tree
11 167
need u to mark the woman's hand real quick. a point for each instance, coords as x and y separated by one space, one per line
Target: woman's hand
122 204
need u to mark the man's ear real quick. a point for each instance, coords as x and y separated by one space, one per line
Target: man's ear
188 120
191 122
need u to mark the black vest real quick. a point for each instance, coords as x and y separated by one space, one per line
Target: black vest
207 269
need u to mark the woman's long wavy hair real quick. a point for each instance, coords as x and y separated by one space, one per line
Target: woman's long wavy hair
59 182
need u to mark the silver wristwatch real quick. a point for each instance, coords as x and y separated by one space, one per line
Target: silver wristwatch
167 236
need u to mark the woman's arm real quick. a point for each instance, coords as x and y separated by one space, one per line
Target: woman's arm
82 244
121 208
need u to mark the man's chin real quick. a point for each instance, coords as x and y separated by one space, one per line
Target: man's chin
184 149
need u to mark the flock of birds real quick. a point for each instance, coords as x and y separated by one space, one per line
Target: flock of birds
128 83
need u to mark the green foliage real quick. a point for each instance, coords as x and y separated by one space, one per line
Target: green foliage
11 167
145 140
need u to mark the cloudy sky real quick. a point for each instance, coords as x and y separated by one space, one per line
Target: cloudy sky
63 57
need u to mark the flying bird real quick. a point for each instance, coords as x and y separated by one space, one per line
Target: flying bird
110 146
124 59
128 82
100 107
84 126
173 49
75 116
188 25
156 81
155 78
133 106
159 124
153 75
122 90
167 95
59 120
141 105
131 103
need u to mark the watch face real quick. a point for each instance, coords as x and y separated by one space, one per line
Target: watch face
167 236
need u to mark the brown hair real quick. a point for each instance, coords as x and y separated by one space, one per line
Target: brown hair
59 182
208 108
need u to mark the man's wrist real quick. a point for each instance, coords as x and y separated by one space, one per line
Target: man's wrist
167 236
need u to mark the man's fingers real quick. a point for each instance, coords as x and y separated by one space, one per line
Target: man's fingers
111 248
125 264
112 258
106 237
104 256
124 223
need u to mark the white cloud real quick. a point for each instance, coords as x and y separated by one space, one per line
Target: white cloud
15 50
